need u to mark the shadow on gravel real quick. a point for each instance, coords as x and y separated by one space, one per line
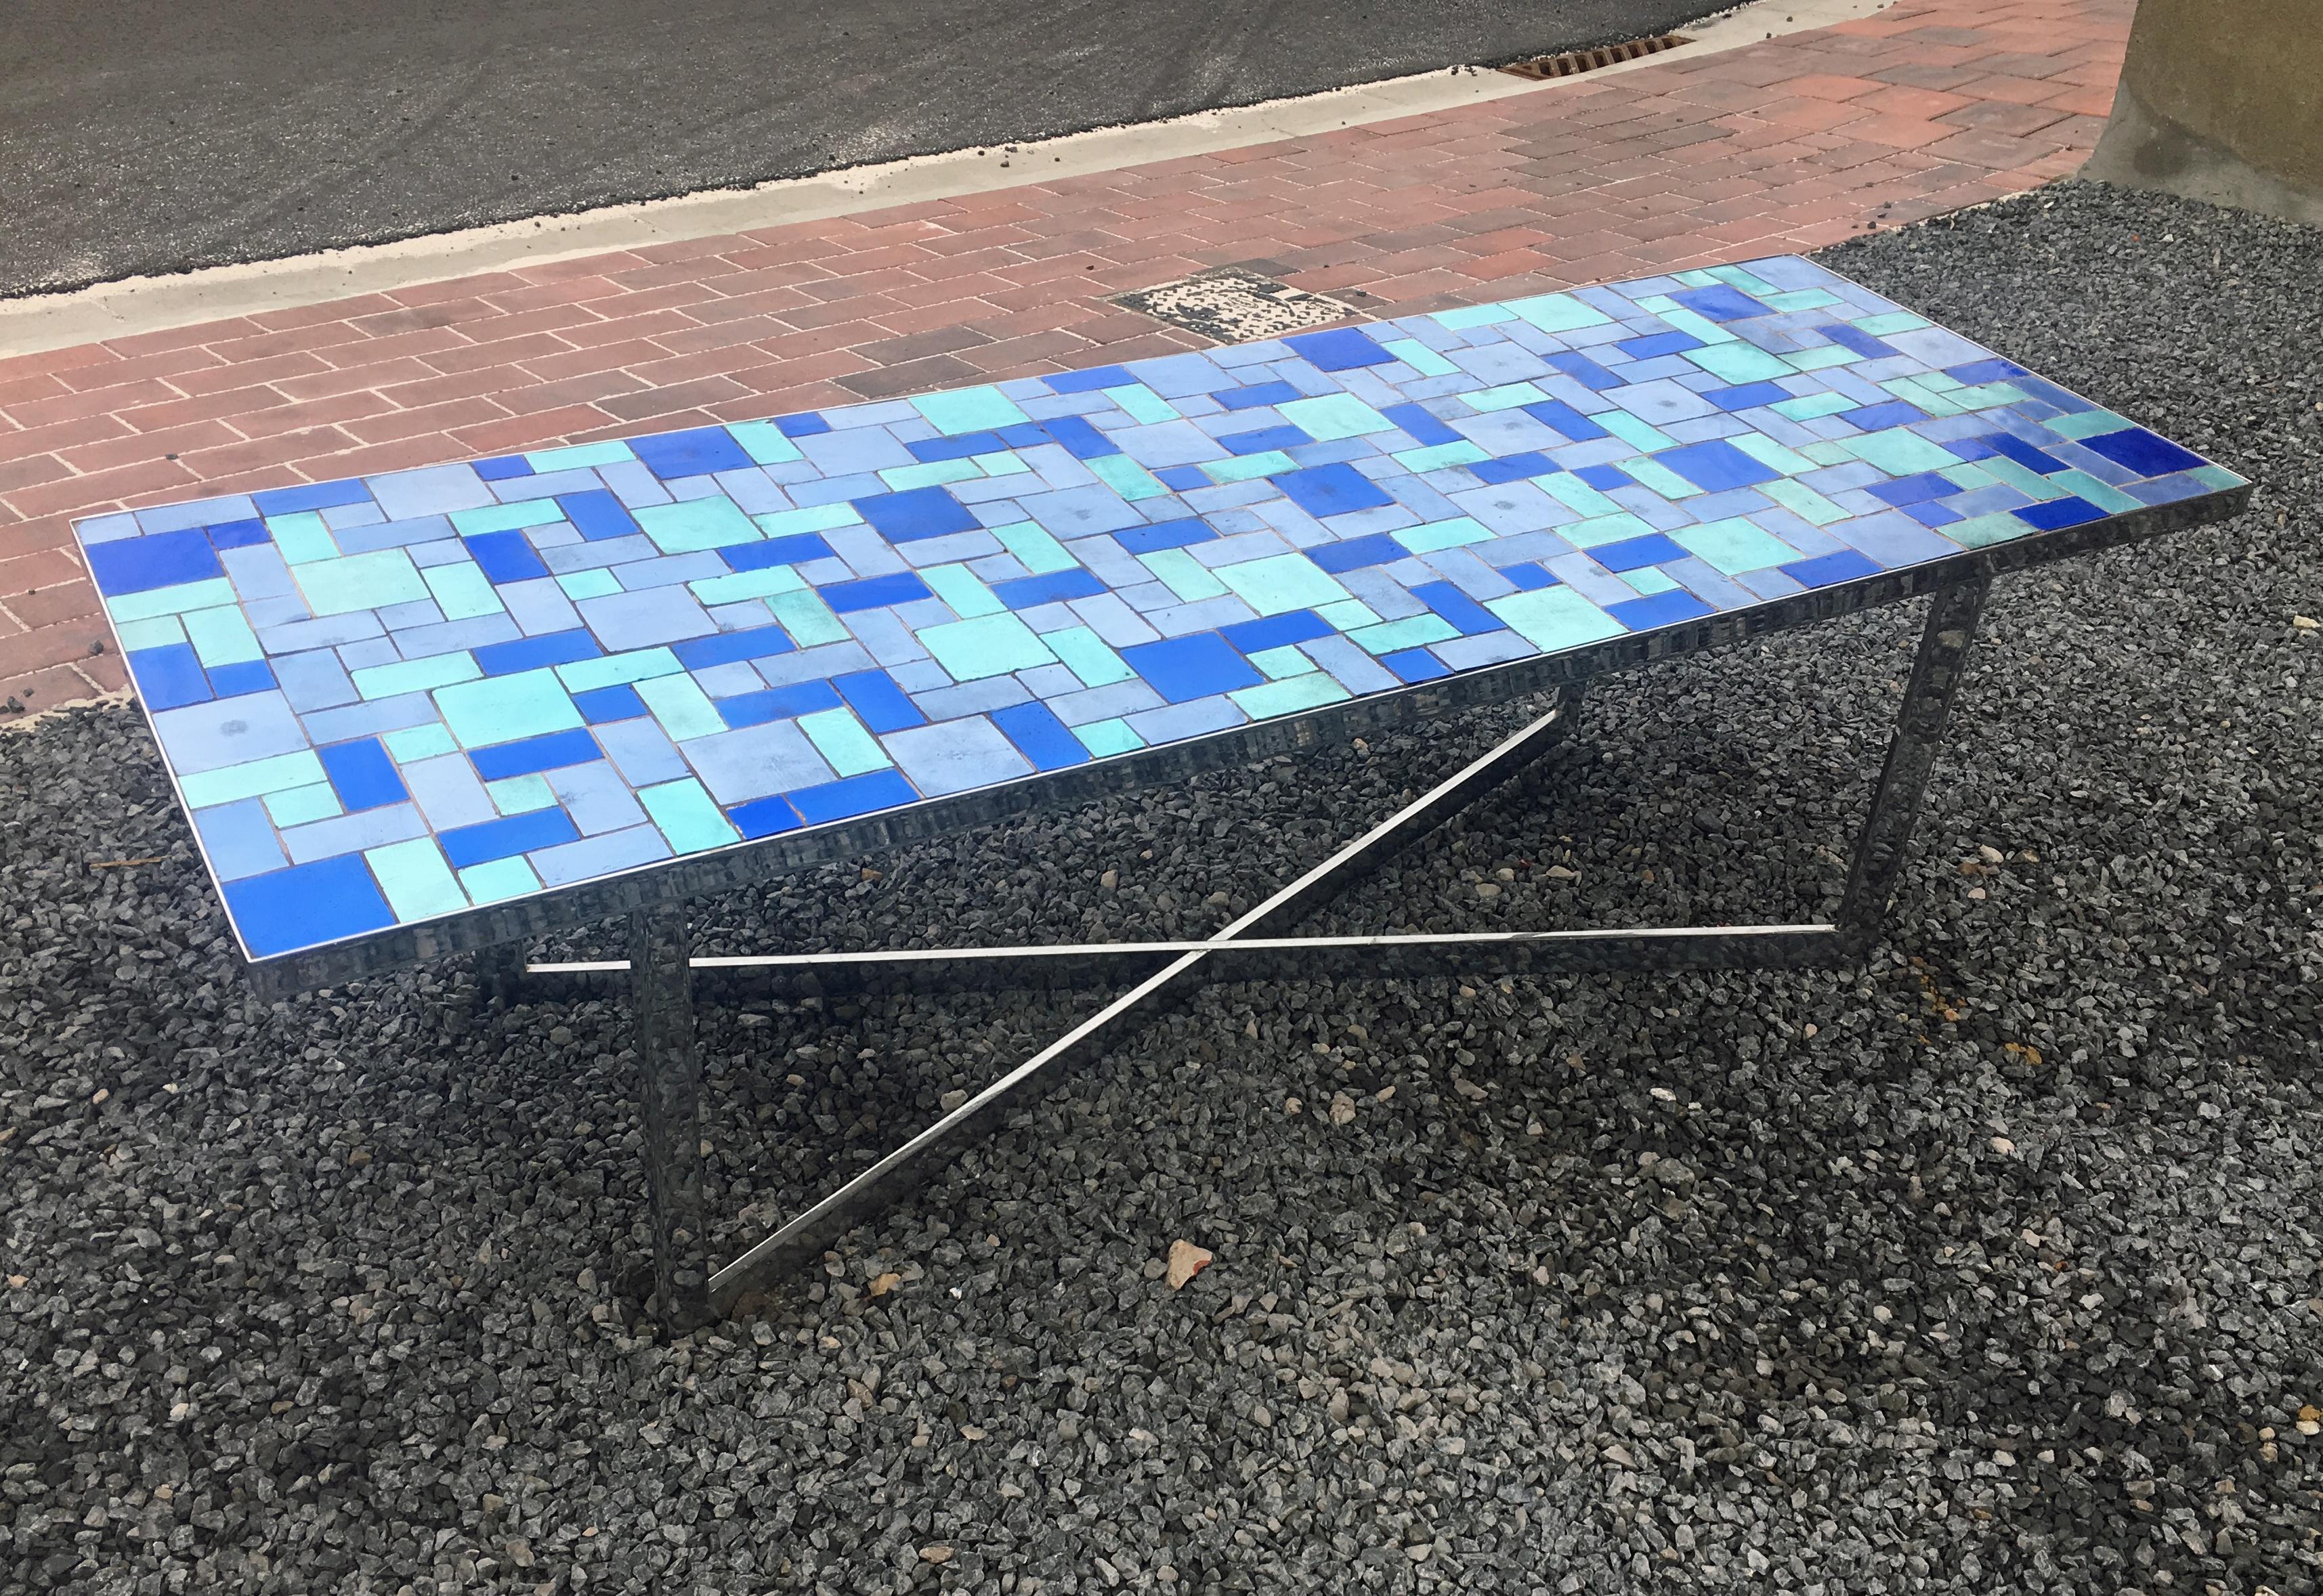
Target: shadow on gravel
1991 1264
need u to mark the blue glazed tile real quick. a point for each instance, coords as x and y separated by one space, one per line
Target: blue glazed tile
1094 377
1720 302
1415 665
1631 553
1256 395
1855 340
764 817
504 839
362 776
1567 420
698 654
601 704
1717 464
856 794
1340 349
1748 396
242 677
691 453
956 756
1659 343
285 501
806 423
529 654
505 556
873 593
1833 569
533 754
1276 631
1456 607
159 560
238 840
1585 370
1914 490
1081 440
2147 454
247 534
1355 553
1176 534
778 704
1190 667
1029 592
308 905
2059 512
877 701
168 677
500 471
597 514
1879 417
915 513
1040 736
1264 438
1331 490
1658 610
1515 468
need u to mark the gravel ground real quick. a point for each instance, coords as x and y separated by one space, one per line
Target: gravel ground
1992 1264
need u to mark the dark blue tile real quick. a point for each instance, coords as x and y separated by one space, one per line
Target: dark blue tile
361 773
1855 339
1829 570
1721 302
956 448
1511 468
529 654
507 836
1178 534
1025 435
1265 438
1276 631
1880 417
1606 478
248 675
1658 610
1748 396
597 514
1528 576
1585 372
1181 479
1338 349
305 904
283 501
1052 588
602 705
2059 512
758 642
1654 345
796 549
1985 370
915 513
1415 665
1094 377
2012 447
1423 428
1256 395
1929 513
1914 489
779 703
1355 553
1564 419
1716 466
2147 454
693 453
1040 736
1632 553
160 559
1183 668
877 701
553 751
869 592
500 471
1081 440
505 556
238 534
857 795
764 817
1331 490
1456 607
806 423
168 677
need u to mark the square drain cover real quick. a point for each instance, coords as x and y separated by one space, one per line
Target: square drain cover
1235 304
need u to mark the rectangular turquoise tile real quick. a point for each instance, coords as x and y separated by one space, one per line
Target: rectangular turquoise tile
1421 359
764 441
695 524
419 885
1454 533
1035 548
1125 477
840 738
462 592
1104 738
222 637
1554 618
1141 404
256 779
987 646
929 473
1088 657
505 518
520 795
415 743
589 585
1282 583
762 584
1244 468
296 806
1187 576
1280 663
958 587
498 880
968 409
502 709
688 816
359 581
206 594
301 537
1334 416
1289 695
1413 632
808 619
577 456
684 709
416 675
613 670
1734 545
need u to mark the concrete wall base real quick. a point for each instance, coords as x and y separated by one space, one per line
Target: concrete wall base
2143 148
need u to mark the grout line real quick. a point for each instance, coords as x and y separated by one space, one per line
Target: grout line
138 305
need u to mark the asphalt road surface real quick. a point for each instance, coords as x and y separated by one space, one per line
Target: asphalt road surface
142 136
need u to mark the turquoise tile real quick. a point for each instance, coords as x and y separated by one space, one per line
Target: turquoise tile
613 670
415 743
987 646
578 456
1771 454
258 778
589 585
1289 695
1103 737
1638 435
1088 656
1334 416
1557 313
1282 583
462 592
502 708
840 738
415 675
359 581
958 586
499 880
1187 576
968 409
1739 362
1437 456
695 524
819 517
171 600
688 816
417 881
762 584
1125 477
684 709
520 795
807 618
296 806
929 473
505 518
1142 405
1245 468
1035 548
158 632
763 442
301 537
1280 663
1458 531
1506 397
1421 359
1552 619
1734 545
221 637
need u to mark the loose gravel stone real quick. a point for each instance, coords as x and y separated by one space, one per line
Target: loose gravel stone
1991 1264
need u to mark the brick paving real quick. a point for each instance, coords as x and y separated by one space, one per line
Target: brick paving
1791 144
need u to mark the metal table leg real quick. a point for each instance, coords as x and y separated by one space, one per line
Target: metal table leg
669 1072
1936 673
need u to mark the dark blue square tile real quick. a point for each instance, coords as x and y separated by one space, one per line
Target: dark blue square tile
1415 665
1184 668
2059 512
246 676
1256 395
693 453
2147 454
602 705
500 471
915 513
168 677
869 592
362 774
1632 553
1338 349
1331 490
1040 736
1716 466
877 701
1658 610
597 515
764 817
284 910
158 560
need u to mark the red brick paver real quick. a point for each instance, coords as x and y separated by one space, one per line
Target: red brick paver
1790 144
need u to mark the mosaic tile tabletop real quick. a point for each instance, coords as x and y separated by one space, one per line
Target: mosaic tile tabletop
389 699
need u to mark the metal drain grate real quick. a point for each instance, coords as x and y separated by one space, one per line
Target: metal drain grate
1234 304
1573 62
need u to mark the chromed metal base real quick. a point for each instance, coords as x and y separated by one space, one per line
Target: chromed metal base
661 972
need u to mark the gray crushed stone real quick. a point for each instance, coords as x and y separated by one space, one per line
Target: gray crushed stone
1992 1264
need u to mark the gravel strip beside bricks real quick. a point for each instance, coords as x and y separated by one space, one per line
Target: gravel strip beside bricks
1990 1265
